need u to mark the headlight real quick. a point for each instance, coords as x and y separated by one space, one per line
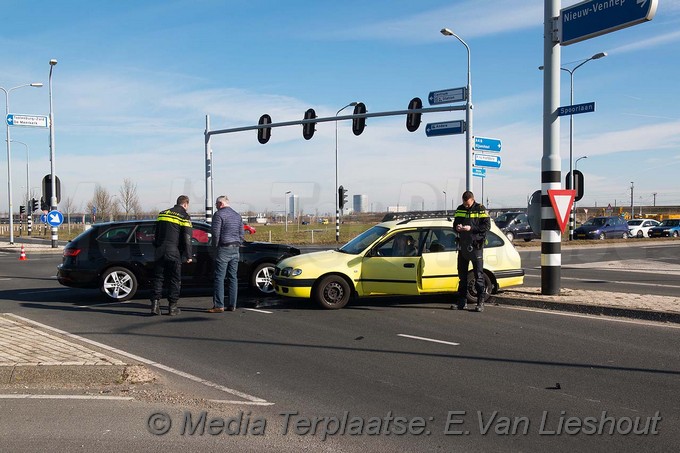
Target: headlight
290 272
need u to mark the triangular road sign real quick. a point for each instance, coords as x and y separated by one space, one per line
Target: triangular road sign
561 201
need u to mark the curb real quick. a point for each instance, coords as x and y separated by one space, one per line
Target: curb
71 375
646 315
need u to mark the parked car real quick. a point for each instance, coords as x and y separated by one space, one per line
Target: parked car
117 258
640 227
602 228
668 227
249 229
412 256
515 225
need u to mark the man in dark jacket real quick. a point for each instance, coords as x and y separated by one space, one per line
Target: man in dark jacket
173 247
471 222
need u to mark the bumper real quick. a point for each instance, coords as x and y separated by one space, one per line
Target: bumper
77 278
290 287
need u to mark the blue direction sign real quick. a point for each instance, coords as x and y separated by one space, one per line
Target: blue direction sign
487 160
593 18
487 144
480 172
576 108
447 96
43 218
444 128
55 218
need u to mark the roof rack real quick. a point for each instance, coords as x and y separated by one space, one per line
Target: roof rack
414 215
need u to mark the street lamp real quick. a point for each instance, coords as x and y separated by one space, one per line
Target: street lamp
285 209
335 191
29 222
468 113
9 156
572 181
53 183
444 192
576 168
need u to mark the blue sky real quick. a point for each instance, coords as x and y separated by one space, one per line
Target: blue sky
135 80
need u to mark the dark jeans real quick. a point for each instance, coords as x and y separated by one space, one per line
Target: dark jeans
226 266
169 271
466 257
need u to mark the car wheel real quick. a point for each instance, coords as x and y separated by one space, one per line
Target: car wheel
510 236
527 239
601 236
624 236
675 234
640 234
472 289
118 284
332 292
261 278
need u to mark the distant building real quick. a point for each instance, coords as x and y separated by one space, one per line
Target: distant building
360 203
398 208
293 206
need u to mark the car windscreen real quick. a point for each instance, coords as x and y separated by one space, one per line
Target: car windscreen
597 221
634 222
361 242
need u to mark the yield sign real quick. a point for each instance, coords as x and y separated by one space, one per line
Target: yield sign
561 201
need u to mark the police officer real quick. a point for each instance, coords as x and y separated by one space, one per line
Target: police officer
173 247
471 222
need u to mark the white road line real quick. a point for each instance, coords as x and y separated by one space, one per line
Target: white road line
245 403
432 340
42 291
620 282
594 317
245 396
66 397
259 311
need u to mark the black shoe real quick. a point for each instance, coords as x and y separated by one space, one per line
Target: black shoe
480 307
230 308
155 307
173 310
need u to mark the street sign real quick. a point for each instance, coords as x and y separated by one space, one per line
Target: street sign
561 201
445 128
447 96
480 172
487 160
15 119
593 18
576 109
43 218
487 144
55 218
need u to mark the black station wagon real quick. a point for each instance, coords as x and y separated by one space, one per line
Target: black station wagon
117 258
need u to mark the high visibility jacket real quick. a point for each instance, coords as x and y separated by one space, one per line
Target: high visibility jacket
475 216
173 234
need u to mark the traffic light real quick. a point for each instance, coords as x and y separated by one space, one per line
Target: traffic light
22 209
342 197
47 188
413 119
358 124
34 205
578 182
309 128
44 206
265 133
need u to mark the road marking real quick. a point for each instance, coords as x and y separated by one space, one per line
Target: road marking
42 291
191 377
620 282
427 339
67 397
593 317
245 403
259 311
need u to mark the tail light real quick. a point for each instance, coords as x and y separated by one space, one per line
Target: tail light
71 252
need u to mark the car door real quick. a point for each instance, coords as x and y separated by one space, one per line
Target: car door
391 267
201 270
439 261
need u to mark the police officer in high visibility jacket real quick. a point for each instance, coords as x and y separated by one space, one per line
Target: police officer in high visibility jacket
173 247
471 222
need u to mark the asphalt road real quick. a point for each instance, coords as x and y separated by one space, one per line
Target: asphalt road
434 379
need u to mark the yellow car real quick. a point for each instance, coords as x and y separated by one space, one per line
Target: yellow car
399 257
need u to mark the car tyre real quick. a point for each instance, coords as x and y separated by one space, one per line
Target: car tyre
261 278
624 236
527 239
118 284
510 236
640 234
472 290
332 292
675 234
601 236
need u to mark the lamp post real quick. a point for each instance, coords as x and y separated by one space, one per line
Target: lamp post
335 191
53 183
444 192
285 209
9 156
29 220
468 113
597 56
576 168
632 207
